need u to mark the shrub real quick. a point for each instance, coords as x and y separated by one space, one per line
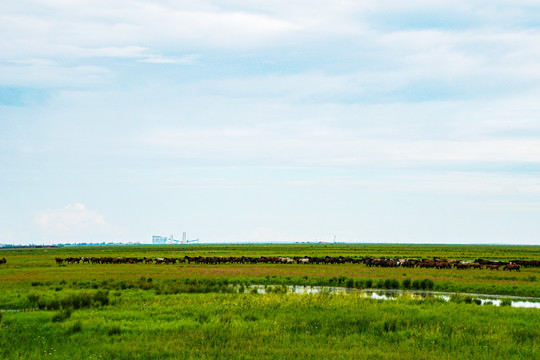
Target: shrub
427 284
85 300
33 298
101 298
62 315
76 301
368 283
506 302
391 284
407 283
416 284
349 283
52 304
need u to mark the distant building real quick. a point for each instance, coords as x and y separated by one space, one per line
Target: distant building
161 240
164 240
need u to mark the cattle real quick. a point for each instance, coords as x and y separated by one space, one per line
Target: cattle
3 261
511 267
286 260
443 265
427 264
526 263
438 263
462 265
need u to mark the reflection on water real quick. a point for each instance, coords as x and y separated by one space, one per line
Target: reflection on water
482 299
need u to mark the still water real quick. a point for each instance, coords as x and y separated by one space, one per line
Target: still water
382 294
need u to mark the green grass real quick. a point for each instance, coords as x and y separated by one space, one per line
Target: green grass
38 267
140 325
195 311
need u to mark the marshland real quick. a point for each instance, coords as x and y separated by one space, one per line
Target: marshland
248 310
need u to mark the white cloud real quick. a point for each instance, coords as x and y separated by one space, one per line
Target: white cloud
326 146
78 223
43 73
183 60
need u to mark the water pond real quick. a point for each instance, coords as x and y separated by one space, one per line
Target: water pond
384 294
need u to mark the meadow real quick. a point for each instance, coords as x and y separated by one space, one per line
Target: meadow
150 311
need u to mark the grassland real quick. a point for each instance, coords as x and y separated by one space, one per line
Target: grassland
138 311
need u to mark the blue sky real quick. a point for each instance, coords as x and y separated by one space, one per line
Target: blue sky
252 121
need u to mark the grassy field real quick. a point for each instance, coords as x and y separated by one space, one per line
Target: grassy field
37 265
127 311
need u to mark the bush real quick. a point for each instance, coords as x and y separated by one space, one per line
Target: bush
33 298
391 284
52 304
416 284
85 300
101 298
62 315
427 284
406 283
368 283
506 302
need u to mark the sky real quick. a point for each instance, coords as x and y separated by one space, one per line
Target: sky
378 121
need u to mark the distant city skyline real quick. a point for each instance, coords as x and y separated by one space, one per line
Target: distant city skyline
254 121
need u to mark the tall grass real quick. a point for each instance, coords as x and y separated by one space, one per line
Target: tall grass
274 326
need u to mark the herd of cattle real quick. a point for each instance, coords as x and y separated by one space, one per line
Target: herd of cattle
436 263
